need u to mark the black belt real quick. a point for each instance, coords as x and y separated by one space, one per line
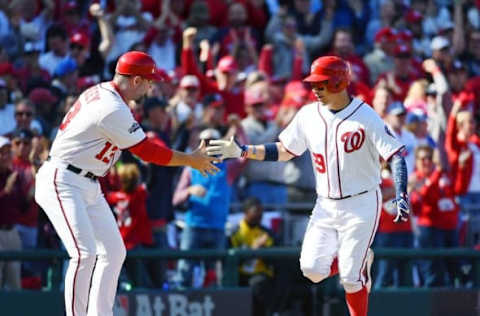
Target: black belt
348 196
77 170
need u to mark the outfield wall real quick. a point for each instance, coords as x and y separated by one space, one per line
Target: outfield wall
238 302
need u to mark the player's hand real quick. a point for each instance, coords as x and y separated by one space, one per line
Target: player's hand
403 208
202 162
430 66
9 185
96 10
188 36
197 190
224 148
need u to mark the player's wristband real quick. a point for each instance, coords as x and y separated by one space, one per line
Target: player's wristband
271 152
244 152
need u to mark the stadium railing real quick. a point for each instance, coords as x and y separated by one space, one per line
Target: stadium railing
232 258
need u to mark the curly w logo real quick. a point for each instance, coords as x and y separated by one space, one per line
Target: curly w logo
353 140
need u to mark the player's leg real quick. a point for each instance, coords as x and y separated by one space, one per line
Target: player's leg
319 249
62 199
111 254
355 235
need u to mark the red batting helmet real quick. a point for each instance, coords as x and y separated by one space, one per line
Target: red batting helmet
137 63
332 69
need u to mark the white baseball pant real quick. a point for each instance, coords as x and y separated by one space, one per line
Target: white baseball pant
344 229
84 222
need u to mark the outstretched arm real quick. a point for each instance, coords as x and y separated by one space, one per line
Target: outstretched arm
150 151
231 149
400 179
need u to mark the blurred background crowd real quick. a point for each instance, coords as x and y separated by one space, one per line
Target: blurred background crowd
235 67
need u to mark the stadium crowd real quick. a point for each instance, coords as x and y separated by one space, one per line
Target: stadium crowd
235 67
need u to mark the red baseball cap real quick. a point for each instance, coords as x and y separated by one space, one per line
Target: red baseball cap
42 96
256 94
402 51
413 16
85 82
385 34
404 36
189 81
227 64
80 38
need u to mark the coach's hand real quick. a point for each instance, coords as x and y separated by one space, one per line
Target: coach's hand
202 162
224 148
403 208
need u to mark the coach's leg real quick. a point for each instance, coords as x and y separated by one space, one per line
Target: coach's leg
355 235
319 250
111 254
64 204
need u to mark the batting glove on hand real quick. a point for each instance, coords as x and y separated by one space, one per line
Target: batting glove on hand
224 148
403 208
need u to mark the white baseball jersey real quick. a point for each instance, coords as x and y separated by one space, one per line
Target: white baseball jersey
95 130
344 147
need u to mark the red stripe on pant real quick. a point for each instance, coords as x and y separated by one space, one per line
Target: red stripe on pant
370 240
74 241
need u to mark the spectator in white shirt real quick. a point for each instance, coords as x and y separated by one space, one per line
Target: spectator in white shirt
395 118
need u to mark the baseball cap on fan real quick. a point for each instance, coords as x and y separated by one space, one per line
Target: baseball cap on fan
22 133
189 81
439 43
402 51
65 67
227 64
386 34
136 63
416 117
396 108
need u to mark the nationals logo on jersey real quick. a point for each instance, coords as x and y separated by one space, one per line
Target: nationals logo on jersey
353 140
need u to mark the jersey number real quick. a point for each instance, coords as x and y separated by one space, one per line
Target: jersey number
70 115
319 163
107 153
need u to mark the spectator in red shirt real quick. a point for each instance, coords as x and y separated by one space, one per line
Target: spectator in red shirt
433 201
402 76
225 76
392 235
129 206
71 18
236 30
463 151
11 201
457 76
344 47
27 226
21 140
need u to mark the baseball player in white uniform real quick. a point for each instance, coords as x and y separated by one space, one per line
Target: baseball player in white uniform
89 141
346 139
